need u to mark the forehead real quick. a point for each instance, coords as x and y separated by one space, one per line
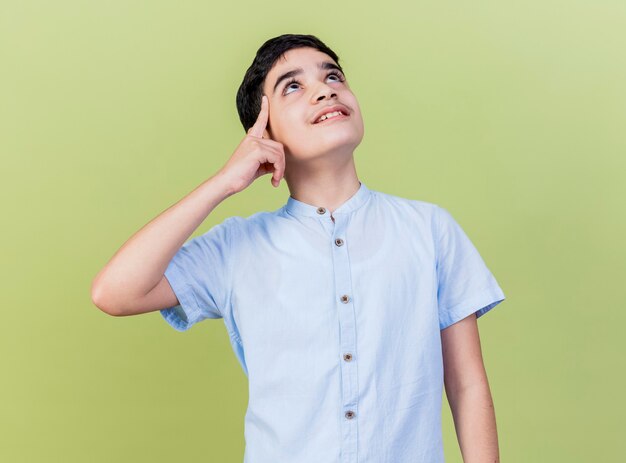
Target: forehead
299 57
303 57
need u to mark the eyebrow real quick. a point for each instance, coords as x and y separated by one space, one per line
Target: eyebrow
294 72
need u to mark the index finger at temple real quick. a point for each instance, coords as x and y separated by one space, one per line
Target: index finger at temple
261 120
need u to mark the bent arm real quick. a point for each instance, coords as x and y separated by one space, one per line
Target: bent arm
133 281
467 390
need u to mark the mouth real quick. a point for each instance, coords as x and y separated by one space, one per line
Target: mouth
333 115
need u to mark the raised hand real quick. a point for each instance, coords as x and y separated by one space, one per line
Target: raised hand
255 156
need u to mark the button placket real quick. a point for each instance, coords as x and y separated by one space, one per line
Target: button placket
329 225
347 330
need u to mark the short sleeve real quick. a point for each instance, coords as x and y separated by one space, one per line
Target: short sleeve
464 283
199 274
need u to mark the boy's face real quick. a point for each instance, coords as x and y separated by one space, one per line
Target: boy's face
294 106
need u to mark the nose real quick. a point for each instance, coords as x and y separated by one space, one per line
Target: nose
323 92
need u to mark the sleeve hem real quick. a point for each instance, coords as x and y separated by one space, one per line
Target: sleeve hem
181 317
481 304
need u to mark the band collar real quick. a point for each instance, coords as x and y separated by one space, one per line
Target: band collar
299 208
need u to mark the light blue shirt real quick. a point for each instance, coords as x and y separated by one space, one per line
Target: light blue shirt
336 324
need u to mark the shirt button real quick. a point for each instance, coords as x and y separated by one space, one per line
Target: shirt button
349 414
347 357
321 210
345 298
339 242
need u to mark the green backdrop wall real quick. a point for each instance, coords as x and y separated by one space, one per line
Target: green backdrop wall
509 114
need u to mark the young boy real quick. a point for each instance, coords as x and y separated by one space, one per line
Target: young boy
344 307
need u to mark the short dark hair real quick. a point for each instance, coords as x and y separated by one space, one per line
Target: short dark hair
251 89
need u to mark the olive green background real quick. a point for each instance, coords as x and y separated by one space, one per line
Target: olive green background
511 115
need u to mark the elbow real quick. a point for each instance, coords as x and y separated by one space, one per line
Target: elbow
100 300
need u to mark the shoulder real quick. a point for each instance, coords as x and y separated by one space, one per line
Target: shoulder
254 225
417 209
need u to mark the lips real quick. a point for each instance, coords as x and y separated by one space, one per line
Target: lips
330 109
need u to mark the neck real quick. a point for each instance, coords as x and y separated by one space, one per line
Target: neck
327 181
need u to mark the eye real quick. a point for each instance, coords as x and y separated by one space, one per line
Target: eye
338 75
288 86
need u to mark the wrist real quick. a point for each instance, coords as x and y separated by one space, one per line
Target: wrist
223 183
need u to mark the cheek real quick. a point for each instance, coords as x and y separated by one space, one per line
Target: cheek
287 131
357 109
354 103
292 123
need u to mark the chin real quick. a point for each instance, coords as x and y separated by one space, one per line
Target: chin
345 146
340 138
342 145
344 140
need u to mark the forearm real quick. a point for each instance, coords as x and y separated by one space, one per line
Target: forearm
475 423
140 263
